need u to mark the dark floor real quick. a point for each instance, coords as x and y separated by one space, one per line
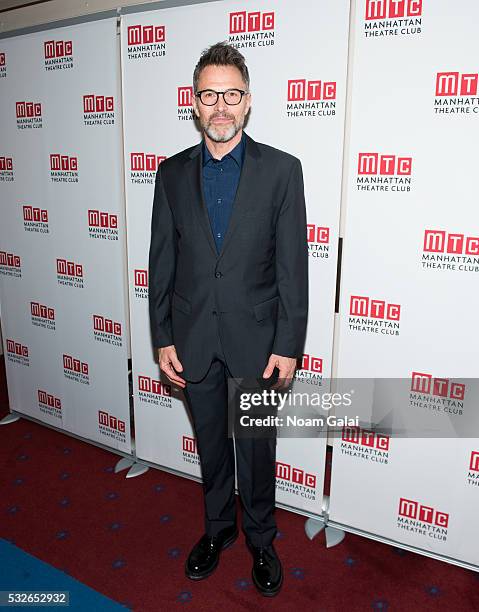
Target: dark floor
128 539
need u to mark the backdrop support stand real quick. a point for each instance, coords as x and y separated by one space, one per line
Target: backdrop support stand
313 526
10 418
123 464
137 469
131 463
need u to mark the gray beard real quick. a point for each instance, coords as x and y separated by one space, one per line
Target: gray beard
226 136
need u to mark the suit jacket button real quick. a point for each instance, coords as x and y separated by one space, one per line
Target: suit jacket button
218 274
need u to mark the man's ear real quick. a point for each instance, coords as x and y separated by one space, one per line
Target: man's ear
249 105
195 107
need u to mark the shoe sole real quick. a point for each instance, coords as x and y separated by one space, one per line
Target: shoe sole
226 543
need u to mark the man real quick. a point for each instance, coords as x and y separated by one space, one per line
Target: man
228 297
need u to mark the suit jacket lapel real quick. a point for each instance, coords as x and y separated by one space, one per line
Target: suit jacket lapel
194 171
244 193
248 177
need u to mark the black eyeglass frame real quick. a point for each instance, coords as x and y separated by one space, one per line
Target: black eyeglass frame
241 91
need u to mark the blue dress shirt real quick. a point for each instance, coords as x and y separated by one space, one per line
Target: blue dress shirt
220 182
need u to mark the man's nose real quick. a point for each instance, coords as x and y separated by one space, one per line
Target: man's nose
220 104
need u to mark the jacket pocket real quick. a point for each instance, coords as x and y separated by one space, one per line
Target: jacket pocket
180 303
268 308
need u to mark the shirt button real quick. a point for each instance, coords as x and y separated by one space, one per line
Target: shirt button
219 200
218 235
218 274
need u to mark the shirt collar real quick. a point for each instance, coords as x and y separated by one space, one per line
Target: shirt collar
237 153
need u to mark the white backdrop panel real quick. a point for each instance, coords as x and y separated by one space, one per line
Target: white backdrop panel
296 46
76 375
408 302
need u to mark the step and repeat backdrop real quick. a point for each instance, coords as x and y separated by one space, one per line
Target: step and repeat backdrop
79 137
410 278
297 58
62 231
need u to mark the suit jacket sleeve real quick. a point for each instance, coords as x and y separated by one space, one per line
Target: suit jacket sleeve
292 268
161 266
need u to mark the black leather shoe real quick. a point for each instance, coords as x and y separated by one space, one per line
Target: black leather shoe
267 572
205 555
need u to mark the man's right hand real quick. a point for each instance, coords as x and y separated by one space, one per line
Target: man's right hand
169 362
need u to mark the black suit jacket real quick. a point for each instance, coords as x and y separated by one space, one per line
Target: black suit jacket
256 289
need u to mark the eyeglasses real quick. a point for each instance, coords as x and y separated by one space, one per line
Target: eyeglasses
209 97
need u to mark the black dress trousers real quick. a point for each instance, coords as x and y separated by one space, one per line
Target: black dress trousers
207 401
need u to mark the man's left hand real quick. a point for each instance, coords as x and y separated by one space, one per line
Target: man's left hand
286 367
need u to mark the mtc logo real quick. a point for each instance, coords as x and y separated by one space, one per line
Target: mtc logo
63 162
382 9
442 387
362 306
301 89
456 84
316 233
474 465
102 324
144 35
42 311
414 510
285 471
35 214
49 400
6 163
251 22
2 59
75 365
69 268
9 259
140 162
150 385
375 163
189 444
28 109
438 241
356 435
16 348
313 364
141 278
113 422
96 218
185 96
57 48
97 104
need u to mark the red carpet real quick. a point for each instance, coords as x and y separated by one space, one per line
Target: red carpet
128 539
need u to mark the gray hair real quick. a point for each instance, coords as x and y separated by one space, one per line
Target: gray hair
221 54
